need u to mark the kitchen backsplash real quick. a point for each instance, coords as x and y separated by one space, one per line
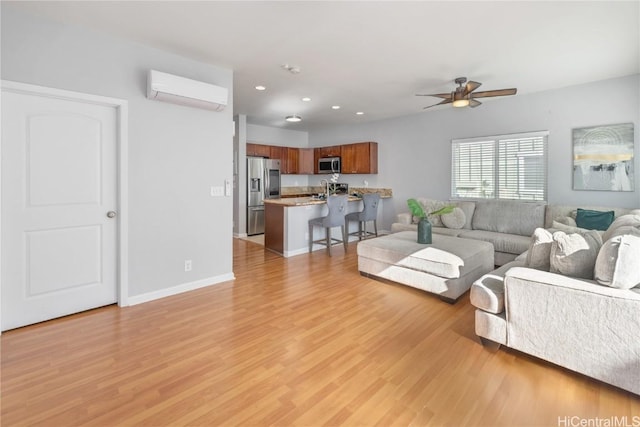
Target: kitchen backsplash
315 189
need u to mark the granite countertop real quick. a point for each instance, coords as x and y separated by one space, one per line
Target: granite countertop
307 201
301 201
307 191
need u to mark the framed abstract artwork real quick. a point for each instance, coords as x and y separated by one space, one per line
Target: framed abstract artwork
603 158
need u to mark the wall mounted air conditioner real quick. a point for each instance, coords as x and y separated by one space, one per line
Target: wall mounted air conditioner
183 91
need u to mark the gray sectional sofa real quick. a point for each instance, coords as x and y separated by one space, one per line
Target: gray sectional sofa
588 325
506 224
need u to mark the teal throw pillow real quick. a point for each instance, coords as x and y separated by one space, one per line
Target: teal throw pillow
594 220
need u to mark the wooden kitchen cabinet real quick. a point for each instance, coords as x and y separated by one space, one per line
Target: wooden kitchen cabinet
278 153
288 157
292 155
333 151
320 152
361 157
258 150
306 161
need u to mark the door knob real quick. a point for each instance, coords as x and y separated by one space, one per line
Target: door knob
111 214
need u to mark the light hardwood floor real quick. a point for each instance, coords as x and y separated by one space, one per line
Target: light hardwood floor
298 341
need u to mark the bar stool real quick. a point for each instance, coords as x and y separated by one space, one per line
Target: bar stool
368 213
335 218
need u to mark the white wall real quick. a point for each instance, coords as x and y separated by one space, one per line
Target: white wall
176 153
415 156
277 136
281 137
240 176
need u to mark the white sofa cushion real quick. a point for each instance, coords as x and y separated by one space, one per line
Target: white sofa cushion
625 229
566 220
575 254
509 216
618 262
447 231
539 252
502 242
621 221
468 208
455 219
431 205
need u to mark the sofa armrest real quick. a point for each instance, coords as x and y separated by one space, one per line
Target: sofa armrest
404 218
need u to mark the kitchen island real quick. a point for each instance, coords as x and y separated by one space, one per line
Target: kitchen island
287 223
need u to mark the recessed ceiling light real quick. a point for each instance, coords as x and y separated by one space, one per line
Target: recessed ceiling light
293 119
260 87
335 107
360 113
306 99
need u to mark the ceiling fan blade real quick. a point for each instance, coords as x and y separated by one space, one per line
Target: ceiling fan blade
499 92
444 101
470 87
473 103
437 95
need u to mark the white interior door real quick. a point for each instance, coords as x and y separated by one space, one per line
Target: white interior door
58 186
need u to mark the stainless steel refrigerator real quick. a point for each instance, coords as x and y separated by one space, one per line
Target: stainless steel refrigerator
263 182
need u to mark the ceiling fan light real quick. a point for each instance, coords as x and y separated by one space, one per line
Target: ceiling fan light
460 103
293 118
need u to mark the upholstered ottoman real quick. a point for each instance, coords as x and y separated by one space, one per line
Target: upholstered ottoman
446 267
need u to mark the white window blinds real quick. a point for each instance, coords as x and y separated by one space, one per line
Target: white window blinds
500 167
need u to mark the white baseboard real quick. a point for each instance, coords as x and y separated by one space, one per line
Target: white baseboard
240 235
175 290
288 254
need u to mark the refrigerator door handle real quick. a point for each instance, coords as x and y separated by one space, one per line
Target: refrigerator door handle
267 185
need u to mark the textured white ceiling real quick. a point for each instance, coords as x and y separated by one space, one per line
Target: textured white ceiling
374 56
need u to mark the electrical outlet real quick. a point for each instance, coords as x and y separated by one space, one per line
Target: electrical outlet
187 265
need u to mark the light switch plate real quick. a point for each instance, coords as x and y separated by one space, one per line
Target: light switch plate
217 191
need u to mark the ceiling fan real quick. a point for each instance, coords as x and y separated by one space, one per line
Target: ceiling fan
464 95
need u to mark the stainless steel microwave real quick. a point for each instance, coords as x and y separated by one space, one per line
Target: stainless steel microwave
329 165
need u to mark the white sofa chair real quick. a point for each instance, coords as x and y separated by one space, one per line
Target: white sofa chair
580 324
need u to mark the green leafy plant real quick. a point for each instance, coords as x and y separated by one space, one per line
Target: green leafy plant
416 209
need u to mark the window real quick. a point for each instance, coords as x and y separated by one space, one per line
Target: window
500 167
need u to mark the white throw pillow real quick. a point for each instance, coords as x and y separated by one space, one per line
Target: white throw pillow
635 212
618 262
430 205
625 229
561 226
539 252
571 229
566 220
621 221
575 254
456 219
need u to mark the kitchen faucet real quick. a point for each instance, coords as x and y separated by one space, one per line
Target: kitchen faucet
326 182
